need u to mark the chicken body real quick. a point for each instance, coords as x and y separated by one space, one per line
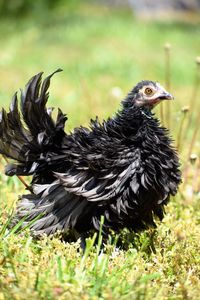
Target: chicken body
123 169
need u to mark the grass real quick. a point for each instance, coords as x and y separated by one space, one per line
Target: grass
104 53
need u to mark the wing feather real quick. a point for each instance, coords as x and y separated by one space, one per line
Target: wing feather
96 186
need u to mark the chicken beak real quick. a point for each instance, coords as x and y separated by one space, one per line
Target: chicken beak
166 96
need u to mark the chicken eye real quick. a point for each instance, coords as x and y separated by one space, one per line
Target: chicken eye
148 91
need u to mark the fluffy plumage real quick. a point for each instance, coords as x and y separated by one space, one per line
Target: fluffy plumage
124 168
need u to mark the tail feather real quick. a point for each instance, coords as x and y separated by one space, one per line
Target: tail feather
26 136
58 210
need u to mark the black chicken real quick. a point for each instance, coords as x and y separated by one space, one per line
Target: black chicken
124 169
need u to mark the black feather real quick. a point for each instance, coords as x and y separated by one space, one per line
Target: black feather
124 168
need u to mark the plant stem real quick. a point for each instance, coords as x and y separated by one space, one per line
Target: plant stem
179 135
20 178
167 79
193 98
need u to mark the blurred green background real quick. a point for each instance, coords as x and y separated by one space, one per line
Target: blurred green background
99 46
